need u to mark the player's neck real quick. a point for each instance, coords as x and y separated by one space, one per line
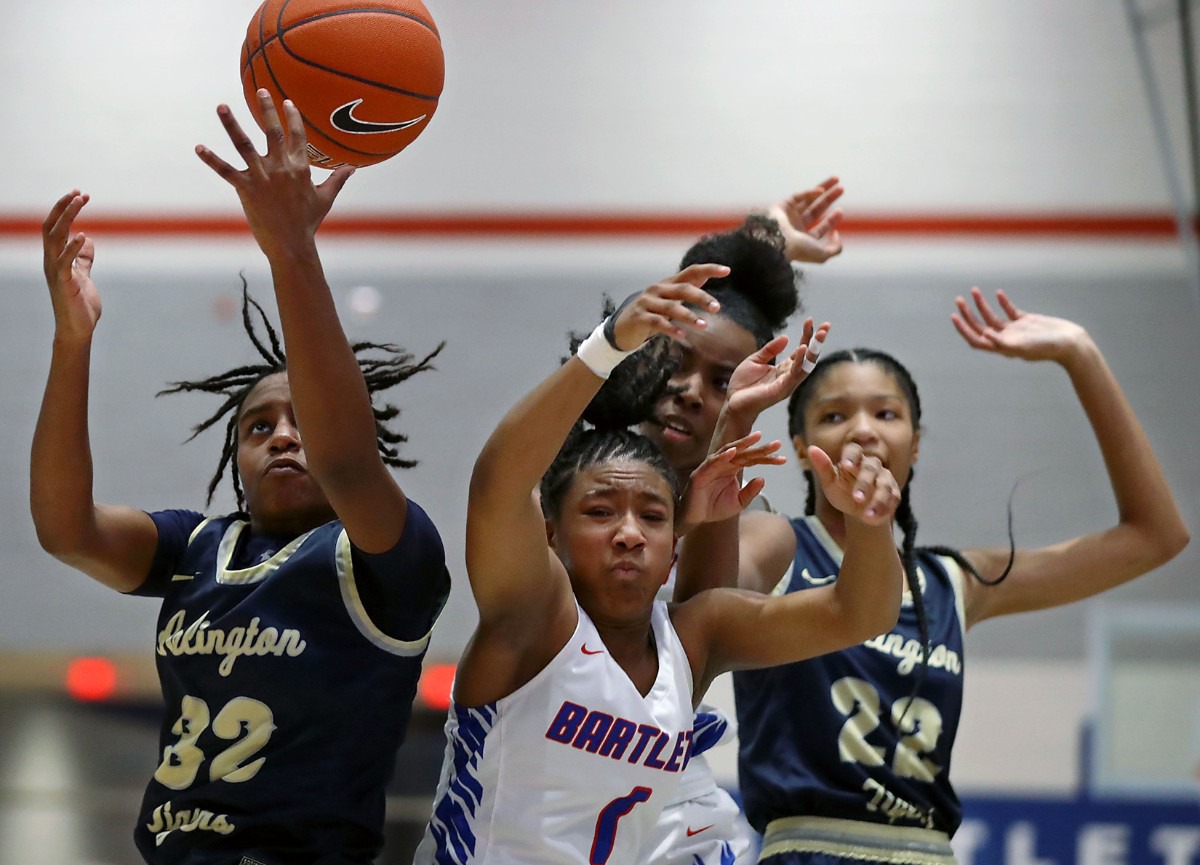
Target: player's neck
635 651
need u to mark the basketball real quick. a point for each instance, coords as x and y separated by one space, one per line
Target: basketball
365 75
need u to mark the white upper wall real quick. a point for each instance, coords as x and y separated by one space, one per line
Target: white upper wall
927 106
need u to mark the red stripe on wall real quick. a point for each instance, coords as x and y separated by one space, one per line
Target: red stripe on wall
540 225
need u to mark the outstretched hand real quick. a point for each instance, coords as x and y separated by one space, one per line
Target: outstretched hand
282 204
67 261
757 383
857 485
810 228
666 307
715 491
1026 335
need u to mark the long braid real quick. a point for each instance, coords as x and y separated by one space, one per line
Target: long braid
908 558
379 373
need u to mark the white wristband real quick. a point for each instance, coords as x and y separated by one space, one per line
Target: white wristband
598 355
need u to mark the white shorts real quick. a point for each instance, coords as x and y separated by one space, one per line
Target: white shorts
708 829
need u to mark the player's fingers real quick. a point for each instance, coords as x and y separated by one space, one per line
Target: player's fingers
698 274
970 334
864 481
332 185
827 225
677 314
806 332
1010 308
226 171
86 257
66 260
763 455
241 141
750 491
770 351
822 466
54 217
800 202
297 138
674 290
58 266
850 458
885 497
271 123
812 351
823 202
968 315
985 310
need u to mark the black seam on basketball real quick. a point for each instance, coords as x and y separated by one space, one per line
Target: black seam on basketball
280 30
341 74
368 10
267 62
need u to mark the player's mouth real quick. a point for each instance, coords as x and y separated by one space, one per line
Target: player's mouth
284 465
675 430
626 569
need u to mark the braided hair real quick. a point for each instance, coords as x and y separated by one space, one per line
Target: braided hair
234 385
605 431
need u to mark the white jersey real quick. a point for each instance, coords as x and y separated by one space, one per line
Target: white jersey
702 824
572 768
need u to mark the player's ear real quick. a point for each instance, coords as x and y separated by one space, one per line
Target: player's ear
801 448
916 446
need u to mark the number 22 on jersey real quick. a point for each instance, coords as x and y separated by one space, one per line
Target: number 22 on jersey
917 720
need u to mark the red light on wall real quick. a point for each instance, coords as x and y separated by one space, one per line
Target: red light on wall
91 679
435 685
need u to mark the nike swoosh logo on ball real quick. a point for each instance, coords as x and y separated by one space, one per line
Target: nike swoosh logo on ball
343 118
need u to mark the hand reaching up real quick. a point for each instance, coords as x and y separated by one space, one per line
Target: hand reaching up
283 206
1025 335
810 228
67 261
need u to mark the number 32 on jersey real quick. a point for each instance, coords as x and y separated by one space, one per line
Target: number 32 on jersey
245 723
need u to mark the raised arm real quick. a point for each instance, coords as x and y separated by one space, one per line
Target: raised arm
110 543
753 550
743 629
526 608
1149 529
284 209
809 226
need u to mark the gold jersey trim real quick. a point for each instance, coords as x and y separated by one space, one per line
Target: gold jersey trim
857 840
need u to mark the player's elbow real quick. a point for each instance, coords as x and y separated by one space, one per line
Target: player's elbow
1171 541
1157 544
864 619
877 619
58 538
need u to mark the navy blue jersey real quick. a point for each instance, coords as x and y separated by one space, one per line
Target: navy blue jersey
286 698
836 735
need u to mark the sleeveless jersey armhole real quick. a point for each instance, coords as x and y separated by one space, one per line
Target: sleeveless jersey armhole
956 575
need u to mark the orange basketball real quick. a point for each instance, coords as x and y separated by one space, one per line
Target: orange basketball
365 74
